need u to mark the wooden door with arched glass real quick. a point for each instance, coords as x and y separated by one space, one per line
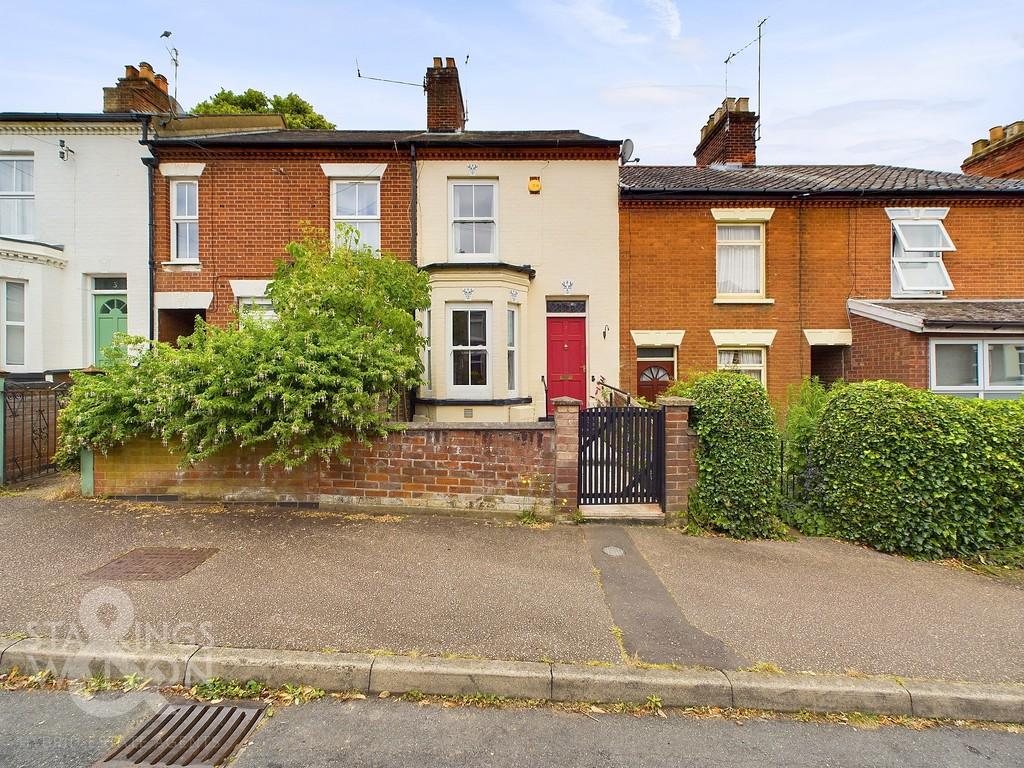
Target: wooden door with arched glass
111 316
655 370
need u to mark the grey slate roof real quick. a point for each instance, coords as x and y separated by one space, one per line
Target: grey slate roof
936 315
313 138
792 180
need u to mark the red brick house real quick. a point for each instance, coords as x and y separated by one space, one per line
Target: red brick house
1001 155
843 272
508 225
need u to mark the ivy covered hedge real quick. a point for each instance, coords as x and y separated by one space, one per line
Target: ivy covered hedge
328 369
921 474
737 489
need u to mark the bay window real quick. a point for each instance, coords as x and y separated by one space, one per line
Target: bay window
17 197
185 220
474 219
14 323
740 261
990 369
512 352
469 349
357 204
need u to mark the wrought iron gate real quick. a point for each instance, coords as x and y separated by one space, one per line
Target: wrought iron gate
622 456
30 428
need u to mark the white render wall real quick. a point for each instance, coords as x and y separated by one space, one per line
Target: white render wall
95 204
569 233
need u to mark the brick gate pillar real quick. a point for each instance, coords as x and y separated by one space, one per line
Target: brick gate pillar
567 452
680 457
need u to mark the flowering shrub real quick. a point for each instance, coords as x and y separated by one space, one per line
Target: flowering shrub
342 350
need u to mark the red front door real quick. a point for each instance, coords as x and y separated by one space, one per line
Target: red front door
567 358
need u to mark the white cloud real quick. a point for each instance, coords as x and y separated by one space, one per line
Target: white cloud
594 17
667 14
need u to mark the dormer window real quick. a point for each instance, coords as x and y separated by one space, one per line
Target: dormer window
919 239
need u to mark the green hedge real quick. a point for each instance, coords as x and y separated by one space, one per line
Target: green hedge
737 489
917 473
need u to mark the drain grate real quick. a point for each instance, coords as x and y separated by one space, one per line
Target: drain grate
199 735
151 564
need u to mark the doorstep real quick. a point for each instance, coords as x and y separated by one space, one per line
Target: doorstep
622 513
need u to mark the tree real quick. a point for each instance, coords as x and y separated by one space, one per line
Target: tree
330 368
297 112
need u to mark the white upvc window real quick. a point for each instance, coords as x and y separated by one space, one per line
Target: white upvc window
469 339
474 206
992 369
185 220
918 241
260 308
428 362
512 348
17 197
740 261
749 361
13 316
356 202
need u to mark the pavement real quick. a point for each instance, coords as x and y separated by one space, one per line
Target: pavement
40 729
309 579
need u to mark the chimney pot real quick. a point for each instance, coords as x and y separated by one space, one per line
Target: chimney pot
449 62
146 70
996 133
130 72
437 62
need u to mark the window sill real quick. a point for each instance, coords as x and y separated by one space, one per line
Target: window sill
181 265
742 300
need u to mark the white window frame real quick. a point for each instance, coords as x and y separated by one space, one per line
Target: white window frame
983 385
257 307
903 252
762 368
761 243
428 352
355 219
5 323
453 220
182 219
22 195
512 349
470 391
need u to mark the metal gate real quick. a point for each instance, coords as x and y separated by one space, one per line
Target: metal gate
30 428
622 456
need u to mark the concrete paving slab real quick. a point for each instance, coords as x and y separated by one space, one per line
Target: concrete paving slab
825 606
704 688
461 677
329 671
818 693
653 626
966 701
161 664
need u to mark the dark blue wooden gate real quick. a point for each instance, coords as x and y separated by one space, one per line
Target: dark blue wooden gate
622 456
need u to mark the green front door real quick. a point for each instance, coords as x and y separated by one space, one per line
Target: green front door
111 313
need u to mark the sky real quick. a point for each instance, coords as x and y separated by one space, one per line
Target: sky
902 82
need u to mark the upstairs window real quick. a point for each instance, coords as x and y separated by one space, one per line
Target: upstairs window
17 197
357 203
740 256
474 221
185 220
918 242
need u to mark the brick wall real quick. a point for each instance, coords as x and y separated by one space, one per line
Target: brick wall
253 203
1001 155
818 254
881 351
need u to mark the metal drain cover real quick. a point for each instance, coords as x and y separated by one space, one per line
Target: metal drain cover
151 564
613 551
200 735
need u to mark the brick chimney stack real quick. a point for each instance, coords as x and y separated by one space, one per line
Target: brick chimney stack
728 136
446 112
140 90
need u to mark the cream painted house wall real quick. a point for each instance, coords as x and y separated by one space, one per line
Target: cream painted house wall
568 233
94 205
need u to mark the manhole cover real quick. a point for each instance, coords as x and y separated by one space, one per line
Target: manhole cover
200 735
613 551
151 564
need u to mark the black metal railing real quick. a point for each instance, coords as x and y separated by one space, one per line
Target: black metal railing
621 456
30 427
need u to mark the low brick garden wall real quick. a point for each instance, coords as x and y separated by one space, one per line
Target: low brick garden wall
485 467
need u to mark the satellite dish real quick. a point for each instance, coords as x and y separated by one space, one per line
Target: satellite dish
626 152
